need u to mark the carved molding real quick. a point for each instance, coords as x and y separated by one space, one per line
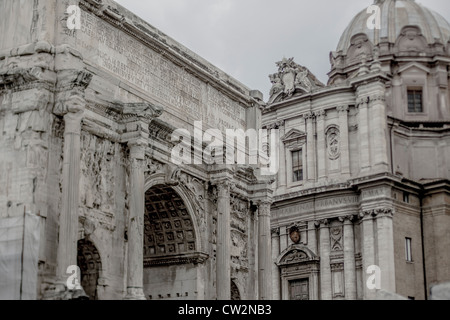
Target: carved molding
167 260
382 212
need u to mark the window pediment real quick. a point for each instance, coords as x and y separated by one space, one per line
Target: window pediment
294 139
296 254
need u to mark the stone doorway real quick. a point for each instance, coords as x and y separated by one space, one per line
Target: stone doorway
171 258
90 264
299 289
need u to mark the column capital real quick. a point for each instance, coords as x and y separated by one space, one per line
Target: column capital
376 98
342 109
323 223
347 219
320 115
224 186
362 101
384 212
275 232
70 87
367 214
264 207
137 149
308 116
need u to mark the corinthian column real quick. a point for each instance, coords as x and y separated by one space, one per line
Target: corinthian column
310 148
349 259
325 269
378 125
70 104
136 223
223 260
264 251
363 130
68 220
275 269
386 257
368 249
138 118
345 151
321 147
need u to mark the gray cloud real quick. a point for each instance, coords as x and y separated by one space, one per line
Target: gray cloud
246 37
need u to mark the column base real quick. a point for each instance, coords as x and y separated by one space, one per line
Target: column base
135 294
59 291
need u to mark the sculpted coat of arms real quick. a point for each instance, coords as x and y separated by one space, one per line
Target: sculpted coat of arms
291 79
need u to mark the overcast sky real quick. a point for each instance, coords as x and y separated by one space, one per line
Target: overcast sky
246 37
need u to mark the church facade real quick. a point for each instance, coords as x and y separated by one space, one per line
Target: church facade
363 188
94 205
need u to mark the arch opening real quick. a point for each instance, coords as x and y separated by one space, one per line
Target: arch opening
171 257
89 261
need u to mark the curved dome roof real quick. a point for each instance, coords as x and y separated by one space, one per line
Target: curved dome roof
396 14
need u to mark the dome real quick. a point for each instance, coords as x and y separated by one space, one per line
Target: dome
395 15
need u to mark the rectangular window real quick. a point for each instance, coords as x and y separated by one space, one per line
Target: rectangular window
415 101
408 250
405 197
297 166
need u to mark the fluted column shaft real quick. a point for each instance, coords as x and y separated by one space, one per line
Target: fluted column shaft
68 223
275 270
363 129
310 148
135 272
264 253
345 151
368 250
378 125
386 257
223 271
321 146
349 259
325 269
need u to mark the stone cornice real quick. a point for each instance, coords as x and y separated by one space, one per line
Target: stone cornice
177 54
